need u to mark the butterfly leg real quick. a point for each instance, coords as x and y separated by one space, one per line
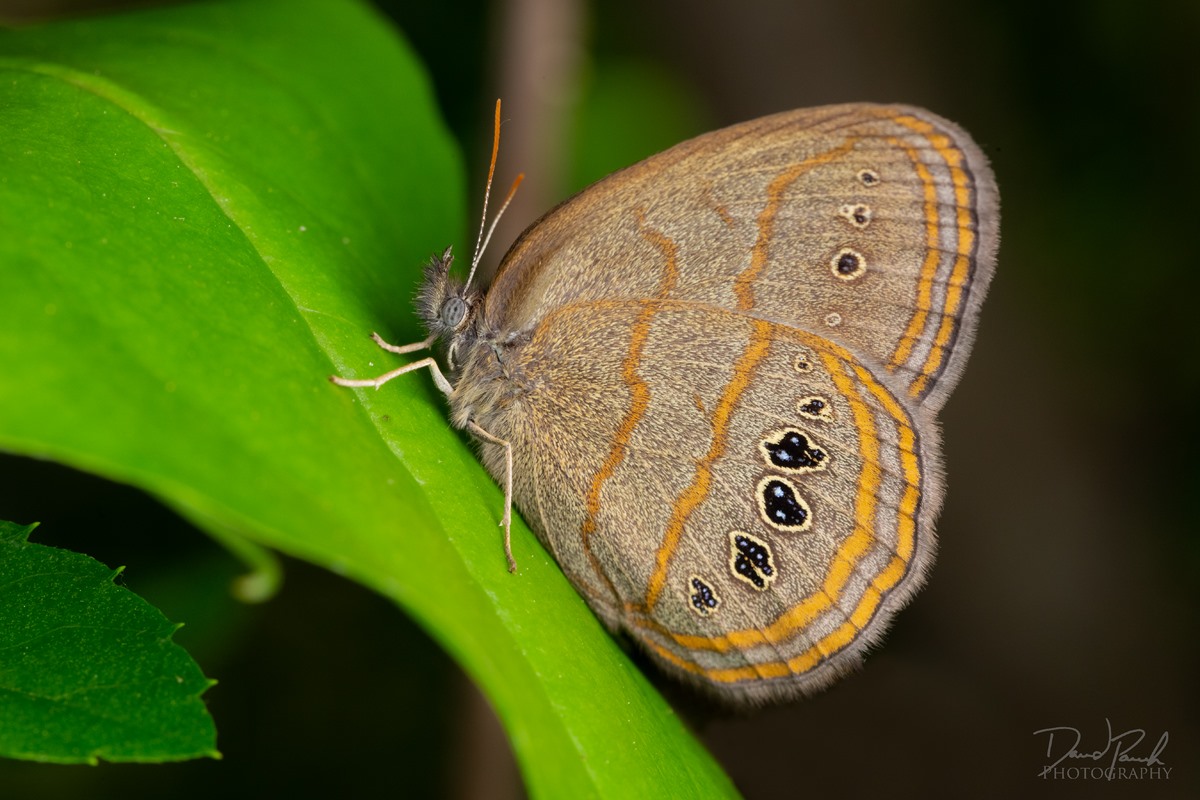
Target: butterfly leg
438 377
403 348
508 478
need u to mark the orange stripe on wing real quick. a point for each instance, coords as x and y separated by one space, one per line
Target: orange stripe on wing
960 273
639 391
743 285
932 256
687 502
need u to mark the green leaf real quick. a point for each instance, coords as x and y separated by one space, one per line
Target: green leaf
204 210
87 668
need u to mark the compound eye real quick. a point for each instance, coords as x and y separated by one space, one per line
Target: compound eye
454 311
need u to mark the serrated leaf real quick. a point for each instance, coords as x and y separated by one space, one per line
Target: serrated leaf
204 210
88 669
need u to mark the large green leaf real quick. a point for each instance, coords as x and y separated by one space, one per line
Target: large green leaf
204 209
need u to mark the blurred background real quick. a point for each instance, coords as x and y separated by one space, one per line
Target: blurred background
1065 591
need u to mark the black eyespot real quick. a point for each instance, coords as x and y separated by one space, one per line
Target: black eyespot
750 560
815 408
848 264
705 600
781 507
793 450
868 177
857 215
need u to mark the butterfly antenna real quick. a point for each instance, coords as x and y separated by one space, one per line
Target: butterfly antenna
481 242
512 191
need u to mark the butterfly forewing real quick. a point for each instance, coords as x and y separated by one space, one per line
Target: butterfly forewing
874 226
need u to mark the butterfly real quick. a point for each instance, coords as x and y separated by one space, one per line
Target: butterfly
710 383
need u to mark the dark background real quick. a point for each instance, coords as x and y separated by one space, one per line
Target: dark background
1065 588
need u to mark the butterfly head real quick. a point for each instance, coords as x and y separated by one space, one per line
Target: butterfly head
448 306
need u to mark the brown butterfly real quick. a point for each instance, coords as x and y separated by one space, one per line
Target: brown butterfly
709 382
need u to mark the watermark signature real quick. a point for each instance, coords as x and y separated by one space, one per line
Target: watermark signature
1123 756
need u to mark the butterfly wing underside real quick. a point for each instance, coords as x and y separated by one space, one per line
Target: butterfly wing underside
742 497
875 226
